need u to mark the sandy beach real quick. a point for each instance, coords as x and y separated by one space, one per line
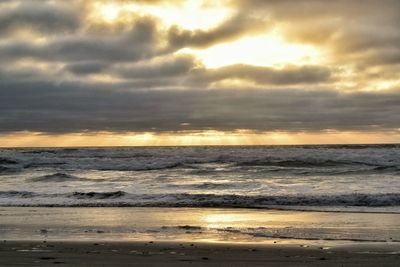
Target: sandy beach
195 237
29 253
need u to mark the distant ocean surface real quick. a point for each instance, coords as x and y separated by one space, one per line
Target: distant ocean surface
314 177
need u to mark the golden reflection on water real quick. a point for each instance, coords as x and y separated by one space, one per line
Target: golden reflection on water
193 224
206 218
255 218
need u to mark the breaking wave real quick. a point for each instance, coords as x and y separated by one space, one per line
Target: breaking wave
97 195
253 177
7 161
56 177
294 163
124 199
143 167
17 194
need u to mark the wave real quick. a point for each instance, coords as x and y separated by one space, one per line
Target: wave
11 165
298 163
240 201
144 167
20 194
200 168
213 186
295 167
7 161
8 170
40 151
319 167
387 168
296 160
43 164
97 195
57 177
4 169
354 146
124 199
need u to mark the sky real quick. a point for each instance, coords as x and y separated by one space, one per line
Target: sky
199 72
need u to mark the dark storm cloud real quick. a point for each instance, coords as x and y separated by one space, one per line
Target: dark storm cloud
191 73
88 67
39 16
74 107
170 67
231 29
136 44
140 41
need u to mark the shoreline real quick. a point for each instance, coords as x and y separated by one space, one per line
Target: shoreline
324 209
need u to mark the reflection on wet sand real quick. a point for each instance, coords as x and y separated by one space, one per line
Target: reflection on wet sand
205 224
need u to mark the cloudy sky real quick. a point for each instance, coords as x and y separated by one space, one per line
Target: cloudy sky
150 72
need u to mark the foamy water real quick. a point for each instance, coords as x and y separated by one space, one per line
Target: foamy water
364 178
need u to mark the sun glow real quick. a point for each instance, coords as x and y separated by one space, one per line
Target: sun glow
193 14
268 49
241 137
108 12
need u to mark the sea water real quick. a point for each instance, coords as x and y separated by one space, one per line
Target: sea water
363 178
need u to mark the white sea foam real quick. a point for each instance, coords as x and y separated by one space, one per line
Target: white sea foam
305 176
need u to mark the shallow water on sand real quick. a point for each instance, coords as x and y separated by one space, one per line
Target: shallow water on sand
196 224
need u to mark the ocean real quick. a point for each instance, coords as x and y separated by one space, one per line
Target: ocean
360 178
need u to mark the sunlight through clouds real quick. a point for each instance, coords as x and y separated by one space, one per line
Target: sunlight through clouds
199 71
268 49
190 15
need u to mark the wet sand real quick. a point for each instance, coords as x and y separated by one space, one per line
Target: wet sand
67 253
195 237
